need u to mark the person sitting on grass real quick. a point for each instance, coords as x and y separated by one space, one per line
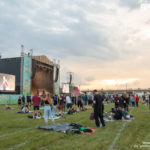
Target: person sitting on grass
25 109
126 115
19 102
118 114
7 107
36 104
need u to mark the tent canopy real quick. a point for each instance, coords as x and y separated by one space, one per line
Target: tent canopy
77 92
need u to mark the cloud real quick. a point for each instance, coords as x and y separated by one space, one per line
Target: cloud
132 4
120 82
97 40
89 78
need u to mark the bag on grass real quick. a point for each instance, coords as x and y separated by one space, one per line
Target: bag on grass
92 116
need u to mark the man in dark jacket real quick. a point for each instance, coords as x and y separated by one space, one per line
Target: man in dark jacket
121 101
98 109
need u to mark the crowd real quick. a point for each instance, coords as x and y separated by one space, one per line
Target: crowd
126 100
55 105
146 99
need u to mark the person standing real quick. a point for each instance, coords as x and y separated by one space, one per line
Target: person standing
23 99
127 102
103 98
47 109
137 100
90 101
98 111
60 105
80 104
52 106
28 100
64 108
147 99
36 104
55 100
85 98
122 103
132 99
43 96
19 101
68 102
143 96
116 100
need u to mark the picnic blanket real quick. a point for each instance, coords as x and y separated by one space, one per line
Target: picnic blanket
20 112
69 128
109 118
31 117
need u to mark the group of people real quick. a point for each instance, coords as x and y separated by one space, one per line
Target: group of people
126 100
54 104
121 105
146 99
51 104
22 100
84 98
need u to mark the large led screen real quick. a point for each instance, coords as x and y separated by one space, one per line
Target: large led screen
65 88
7 82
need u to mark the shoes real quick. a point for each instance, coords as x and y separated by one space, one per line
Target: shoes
101 127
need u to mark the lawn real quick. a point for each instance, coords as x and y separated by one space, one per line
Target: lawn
19 132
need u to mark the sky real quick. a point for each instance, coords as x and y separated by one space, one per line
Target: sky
105 43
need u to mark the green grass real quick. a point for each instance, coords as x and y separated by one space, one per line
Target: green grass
19 132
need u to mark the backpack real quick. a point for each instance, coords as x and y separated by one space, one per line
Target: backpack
118 115
92 116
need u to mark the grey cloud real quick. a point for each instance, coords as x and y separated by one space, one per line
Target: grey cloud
30 22
89 78
132 4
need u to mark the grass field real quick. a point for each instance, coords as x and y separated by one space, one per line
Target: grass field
19 132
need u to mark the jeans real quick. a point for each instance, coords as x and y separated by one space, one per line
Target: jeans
97 121
48 113
85 102
127 107
133 104
53 111
64 109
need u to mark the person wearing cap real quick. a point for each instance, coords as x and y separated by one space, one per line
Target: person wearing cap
98 109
